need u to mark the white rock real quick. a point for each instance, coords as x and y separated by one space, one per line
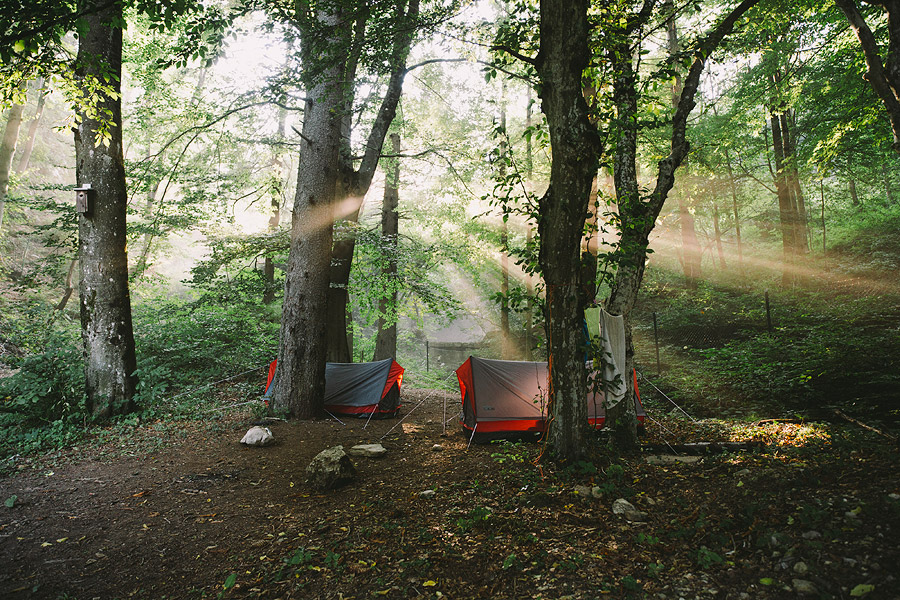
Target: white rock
426 493
437 448
800 568
369 450
258 436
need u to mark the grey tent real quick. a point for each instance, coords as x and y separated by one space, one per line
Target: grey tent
506 399
369 389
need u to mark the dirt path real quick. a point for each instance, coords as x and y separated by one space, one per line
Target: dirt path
203 513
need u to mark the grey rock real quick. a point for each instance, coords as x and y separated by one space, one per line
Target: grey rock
437 448
583 490
811 535
330 469
626 509
800 568
367 450
427 493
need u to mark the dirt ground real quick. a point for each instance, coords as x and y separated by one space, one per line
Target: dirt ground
188 512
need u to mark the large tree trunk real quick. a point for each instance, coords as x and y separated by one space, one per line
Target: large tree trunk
792 174
356 183
299 385
575 150
786 207
109 353
7 150
386 339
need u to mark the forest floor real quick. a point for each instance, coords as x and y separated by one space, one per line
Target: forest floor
167 510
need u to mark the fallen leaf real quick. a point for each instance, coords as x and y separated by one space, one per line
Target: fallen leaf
862 589
430 583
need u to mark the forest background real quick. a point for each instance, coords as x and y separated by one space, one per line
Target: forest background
768 312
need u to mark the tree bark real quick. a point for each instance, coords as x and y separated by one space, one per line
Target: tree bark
718 234
8 150
299 384
575 151
792 175
854 197
690 247
883 77
888 193
506 350
786 212
109 351
25 157
638 215
386 339
355 183
734 206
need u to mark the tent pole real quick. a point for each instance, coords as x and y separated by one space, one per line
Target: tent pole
370 416
472 437
335 418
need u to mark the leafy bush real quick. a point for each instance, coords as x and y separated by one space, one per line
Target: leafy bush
49 385
183 345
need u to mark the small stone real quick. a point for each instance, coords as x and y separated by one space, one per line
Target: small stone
437 448
894 497
627 510
850 562
597 492
743 472
802 586
583 490
811 535
800 568
426 493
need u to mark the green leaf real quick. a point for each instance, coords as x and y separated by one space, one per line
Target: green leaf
767 581
230 581
11 501
862 589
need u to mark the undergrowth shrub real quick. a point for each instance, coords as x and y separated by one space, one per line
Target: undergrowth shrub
182 345
49 385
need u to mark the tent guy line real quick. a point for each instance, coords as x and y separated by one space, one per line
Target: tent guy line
421 402
647 379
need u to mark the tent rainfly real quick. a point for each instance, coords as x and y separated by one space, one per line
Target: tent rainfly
370 390
506 399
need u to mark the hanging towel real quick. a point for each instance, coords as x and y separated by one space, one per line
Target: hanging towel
612 342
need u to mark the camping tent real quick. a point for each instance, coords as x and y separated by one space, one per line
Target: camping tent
506 399
369 389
